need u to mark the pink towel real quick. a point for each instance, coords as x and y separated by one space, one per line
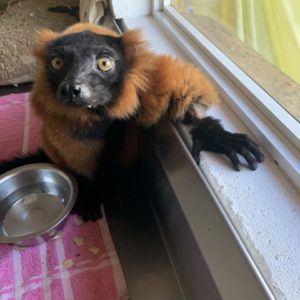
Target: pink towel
19 126
80 262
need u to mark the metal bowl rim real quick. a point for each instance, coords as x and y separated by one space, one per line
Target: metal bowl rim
65 212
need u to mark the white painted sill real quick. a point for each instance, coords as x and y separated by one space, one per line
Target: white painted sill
263 206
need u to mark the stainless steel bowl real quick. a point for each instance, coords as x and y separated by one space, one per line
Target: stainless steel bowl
35 201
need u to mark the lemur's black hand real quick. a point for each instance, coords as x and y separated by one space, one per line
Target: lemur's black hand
88 202
208 134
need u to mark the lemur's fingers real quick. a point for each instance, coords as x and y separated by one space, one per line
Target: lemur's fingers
234 159
210 134
252 162
245 144
254 149
233 148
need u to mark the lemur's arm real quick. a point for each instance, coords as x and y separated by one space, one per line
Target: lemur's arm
178 90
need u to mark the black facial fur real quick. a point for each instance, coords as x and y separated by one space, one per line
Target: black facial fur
80 81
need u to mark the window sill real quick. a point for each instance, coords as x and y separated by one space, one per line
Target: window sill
262 206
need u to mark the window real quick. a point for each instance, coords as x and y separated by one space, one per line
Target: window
244 29
271 124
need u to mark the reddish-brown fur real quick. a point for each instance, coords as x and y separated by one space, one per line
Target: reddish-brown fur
154 86
175 85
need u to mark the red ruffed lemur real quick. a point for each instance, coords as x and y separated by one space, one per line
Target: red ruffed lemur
90 78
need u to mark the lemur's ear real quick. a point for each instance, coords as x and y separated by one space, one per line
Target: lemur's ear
134 45
43 38
139 58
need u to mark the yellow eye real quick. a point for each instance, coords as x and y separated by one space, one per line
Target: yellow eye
105 64
57 63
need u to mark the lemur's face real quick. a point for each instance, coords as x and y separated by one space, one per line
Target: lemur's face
86 69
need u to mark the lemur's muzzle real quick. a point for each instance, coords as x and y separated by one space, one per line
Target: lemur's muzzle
71 91
74 93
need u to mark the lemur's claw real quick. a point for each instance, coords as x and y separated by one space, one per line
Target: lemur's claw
208 134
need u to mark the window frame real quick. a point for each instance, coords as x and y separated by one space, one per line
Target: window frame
274 128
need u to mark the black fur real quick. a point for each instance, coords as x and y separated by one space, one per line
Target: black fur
209 135
188 119
97 130
89 199
38 157
128 189
114 184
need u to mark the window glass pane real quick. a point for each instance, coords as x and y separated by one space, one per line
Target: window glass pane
245 28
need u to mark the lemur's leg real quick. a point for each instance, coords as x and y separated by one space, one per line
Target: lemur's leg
88 202
208 134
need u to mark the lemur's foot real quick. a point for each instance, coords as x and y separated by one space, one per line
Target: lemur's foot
88 202
208 134
87 212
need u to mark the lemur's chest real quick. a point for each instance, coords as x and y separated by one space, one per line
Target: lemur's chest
95 131
78 150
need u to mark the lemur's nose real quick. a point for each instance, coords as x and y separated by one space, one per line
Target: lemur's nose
71 90
76 89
